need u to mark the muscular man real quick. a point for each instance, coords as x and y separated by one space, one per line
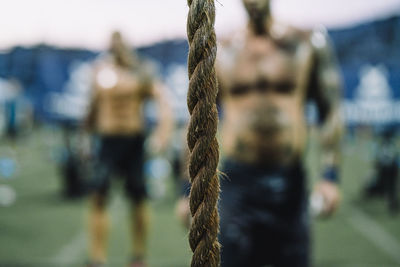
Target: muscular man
121 86
267 73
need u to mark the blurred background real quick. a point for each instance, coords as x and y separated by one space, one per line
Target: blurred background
46 52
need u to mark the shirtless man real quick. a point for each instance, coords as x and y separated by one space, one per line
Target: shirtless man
121 85
267 73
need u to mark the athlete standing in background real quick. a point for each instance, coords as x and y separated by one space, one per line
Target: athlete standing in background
267 73
121 86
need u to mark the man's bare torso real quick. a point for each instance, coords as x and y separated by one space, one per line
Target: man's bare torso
264 83
120 94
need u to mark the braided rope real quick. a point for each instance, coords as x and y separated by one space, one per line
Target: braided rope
203 145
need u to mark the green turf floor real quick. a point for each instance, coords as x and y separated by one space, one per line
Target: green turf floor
43 229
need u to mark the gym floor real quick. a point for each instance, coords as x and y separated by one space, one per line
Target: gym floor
43 229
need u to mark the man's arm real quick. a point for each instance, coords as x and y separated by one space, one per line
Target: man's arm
90 120
326 92
162 134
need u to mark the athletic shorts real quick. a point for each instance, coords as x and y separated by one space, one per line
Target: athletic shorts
264 220
124 156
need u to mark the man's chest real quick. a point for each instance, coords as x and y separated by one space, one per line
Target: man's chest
265 64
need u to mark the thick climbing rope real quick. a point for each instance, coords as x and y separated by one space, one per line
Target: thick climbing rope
202 142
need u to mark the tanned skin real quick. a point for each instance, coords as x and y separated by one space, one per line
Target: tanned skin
121 104
266 76
116 110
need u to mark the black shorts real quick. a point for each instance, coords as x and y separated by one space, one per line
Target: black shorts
123 156
264 220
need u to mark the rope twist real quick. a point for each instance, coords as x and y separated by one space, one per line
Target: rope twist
202 142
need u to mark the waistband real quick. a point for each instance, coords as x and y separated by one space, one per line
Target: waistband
230 165
136 136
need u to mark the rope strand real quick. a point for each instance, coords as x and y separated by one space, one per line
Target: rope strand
203 145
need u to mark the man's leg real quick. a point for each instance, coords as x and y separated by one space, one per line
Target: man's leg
136 190
293 247
140 220
237 247
98 215
391 177
98 228
235 237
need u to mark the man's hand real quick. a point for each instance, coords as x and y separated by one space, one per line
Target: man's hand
182 211
157 144
85 149
330 194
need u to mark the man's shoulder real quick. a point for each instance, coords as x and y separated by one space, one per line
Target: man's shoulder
234 40
229 47
281 32
316 38
287 34
319 39
101 62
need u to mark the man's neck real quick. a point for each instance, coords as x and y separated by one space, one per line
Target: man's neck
262 27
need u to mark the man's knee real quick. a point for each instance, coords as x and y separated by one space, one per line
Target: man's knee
137 192
99 200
